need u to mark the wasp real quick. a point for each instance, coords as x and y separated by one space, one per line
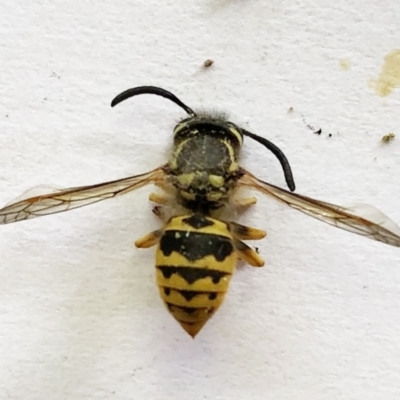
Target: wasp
198 248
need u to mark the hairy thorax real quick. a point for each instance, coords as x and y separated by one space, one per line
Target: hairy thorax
204 170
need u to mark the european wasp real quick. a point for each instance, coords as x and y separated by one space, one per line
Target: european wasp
197 248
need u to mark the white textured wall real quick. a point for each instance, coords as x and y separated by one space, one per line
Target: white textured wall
80 316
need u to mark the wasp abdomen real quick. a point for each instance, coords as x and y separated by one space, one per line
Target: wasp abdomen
194 263
195 259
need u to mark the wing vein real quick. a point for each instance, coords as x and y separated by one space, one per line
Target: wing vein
363 220
69 199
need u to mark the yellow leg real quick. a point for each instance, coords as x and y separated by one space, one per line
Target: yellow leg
246 232
247 254
244 202
164 185
159 198
151 239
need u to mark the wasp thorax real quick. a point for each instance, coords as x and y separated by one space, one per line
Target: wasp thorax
204 164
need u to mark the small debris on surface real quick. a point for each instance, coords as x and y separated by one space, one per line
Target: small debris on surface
208 63
388 138
315 130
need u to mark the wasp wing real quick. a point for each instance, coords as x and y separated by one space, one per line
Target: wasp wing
363 220
67 199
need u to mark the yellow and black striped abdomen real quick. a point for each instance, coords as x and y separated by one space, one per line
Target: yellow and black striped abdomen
195 260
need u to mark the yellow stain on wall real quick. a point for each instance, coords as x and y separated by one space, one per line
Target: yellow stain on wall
389 78
344 64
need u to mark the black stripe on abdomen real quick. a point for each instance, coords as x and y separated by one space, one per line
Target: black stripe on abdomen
190 314
195 246
191 274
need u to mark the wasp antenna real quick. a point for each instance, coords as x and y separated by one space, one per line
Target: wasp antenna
151 90
279 155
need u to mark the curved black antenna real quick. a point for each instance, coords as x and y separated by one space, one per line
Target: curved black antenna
151 90
279 155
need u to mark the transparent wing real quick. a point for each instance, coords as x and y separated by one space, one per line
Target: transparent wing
363 220
67 199
35 191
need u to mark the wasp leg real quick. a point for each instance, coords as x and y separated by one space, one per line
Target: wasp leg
167 188
244 202
247 254
151 239
164 185
160 213
243 232
158 198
